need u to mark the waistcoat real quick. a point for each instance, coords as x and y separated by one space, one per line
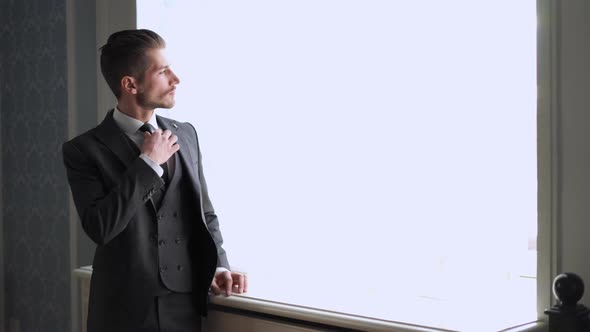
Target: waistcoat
176 217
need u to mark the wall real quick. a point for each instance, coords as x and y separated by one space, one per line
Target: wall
573 153
81 72
2 305
82 93
34 191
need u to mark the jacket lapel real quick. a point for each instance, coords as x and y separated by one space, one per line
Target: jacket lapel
109 133
187 157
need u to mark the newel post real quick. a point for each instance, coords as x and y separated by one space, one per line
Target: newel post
567 315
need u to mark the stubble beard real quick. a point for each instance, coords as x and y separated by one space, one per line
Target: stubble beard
146 102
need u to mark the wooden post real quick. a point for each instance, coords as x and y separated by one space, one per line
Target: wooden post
567 315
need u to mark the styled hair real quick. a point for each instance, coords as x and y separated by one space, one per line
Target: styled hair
124 54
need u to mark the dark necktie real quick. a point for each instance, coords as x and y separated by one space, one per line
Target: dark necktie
146 127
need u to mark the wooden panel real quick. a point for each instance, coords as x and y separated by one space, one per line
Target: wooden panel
223 322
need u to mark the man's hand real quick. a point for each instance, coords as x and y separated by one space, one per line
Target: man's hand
159 146
226 281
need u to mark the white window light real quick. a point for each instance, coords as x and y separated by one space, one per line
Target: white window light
333 94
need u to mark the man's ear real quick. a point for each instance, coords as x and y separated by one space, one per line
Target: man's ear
129 85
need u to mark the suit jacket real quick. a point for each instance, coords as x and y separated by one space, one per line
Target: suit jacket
112 189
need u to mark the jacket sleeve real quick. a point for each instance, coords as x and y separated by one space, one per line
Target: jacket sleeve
209 212
105 213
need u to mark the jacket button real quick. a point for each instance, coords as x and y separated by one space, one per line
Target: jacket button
163 268
178 240
162 242
180 267
159 217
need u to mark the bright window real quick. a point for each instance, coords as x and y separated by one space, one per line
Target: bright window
371 157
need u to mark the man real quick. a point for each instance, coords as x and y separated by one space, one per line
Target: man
138 185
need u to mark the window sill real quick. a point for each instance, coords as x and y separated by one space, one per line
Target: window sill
246 304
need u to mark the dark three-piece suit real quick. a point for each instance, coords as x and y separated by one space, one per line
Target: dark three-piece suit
153 238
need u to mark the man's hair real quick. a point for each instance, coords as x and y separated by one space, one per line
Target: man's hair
124 54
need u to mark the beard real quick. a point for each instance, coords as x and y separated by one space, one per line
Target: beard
149 102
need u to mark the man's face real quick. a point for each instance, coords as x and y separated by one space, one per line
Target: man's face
158 86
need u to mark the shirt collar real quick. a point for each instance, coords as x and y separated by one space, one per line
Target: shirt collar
131 125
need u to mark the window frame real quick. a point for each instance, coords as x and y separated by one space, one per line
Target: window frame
113 15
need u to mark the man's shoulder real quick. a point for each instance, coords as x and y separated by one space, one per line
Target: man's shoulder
171 123
84 138
90 135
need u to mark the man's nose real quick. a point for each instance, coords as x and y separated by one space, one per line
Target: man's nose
175 78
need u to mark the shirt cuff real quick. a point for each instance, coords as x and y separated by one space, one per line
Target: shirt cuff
221 269
154 165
